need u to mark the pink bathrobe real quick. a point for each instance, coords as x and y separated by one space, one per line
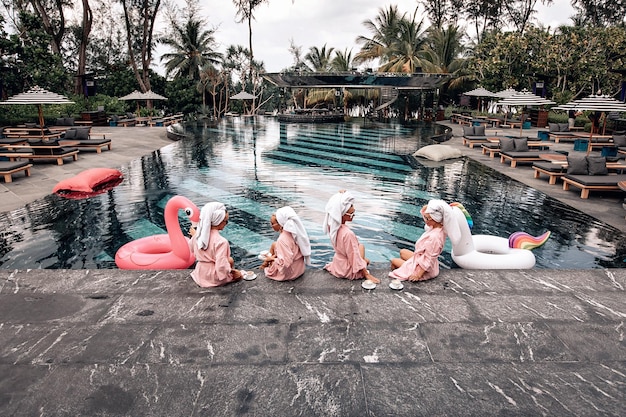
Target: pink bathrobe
212 267
347 262
427 250
289 262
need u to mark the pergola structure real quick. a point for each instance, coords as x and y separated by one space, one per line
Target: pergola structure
417 81
385 82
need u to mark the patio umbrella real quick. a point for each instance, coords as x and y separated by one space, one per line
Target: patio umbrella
504 94
243 95
151 95
596 103
479 92
525 98
138 95
38 96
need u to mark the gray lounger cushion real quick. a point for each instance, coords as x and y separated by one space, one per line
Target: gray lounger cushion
596 180
549 166
11 165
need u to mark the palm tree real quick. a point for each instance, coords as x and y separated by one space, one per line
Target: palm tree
320 59
443 53
245 12
404 54
342 61
384 30
193 50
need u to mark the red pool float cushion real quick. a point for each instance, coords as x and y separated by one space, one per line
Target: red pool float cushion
89 180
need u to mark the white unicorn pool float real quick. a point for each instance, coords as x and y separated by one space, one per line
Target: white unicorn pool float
486 251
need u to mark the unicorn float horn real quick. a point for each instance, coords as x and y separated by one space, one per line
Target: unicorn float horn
522 240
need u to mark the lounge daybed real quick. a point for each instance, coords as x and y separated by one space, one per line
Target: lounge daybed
493 148
553 171
560 132
82 138
474 135
8 168
39 149
590 173
588 183
516 150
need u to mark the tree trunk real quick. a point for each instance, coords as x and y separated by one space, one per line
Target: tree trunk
82 48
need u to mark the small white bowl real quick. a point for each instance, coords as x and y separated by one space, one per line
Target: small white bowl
248 275
263 254
396 284
368 285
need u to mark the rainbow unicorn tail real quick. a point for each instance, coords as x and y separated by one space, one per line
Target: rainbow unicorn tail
522 240
468 217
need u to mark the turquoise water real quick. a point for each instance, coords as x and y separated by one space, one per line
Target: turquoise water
255 167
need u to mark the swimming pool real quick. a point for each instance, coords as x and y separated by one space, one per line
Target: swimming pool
255 166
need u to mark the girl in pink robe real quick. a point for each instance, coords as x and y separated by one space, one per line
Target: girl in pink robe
349 260
290 253
214 266
423 264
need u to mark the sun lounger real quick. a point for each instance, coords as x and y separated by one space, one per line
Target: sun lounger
522 156
97 144
553 171
8 168
46 150
588 183
474 135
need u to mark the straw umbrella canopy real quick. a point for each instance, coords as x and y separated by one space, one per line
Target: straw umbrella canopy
479 92
525 98
38 96
596 103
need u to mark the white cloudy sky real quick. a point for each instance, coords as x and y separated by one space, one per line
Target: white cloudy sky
335 23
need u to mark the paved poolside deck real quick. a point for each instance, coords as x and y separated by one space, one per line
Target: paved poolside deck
475 343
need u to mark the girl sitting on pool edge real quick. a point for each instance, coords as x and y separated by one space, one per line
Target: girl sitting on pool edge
423 263
214 266
289 255
349 260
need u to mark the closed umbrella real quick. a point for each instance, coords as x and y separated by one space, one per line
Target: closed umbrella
38 96
595 103
525 98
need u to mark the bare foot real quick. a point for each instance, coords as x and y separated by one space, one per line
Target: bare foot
372 278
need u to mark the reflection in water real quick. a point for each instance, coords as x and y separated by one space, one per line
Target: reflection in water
255 166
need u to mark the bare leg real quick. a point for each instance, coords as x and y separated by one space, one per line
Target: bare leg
406 254
273 248
362 253
396 263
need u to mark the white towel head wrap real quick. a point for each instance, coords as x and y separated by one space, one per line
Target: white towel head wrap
337 206
211 214
290 222
439 210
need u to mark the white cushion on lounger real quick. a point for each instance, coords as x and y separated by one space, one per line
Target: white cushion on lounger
438 152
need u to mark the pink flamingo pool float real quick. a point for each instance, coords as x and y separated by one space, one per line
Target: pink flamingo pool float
165 251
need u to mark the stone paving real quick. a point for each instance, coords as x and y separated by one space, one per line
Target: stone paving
131 343
152 343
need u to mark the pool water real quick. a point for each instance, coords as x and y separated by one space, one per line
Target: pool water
255 166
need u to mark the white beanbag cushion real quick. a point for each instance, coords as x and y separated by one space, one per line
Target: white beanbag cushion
438 152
